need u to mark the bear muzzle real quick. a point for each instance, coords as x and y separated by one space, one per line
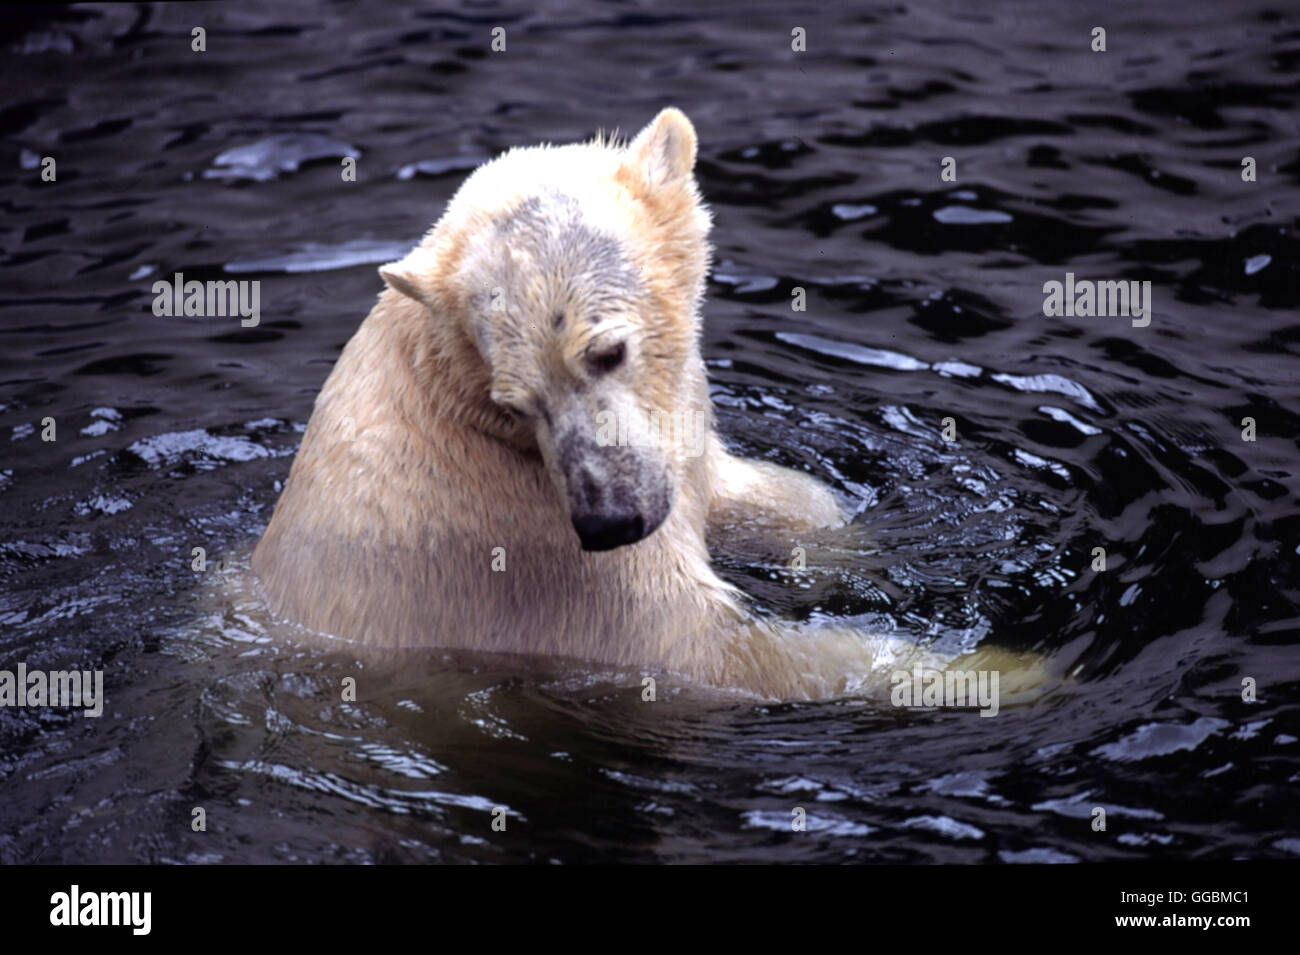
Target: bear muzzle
615 495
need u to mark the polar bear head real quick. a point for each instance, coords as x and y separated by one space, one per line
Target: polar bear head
577 273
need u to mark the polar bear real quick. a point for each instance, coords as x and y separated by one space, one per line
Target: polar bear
478 471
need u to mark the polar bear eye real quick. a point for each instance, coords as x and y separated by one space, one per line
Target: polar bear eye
607 360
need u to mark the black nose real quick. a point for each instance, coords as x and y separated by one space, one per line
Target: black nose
601 532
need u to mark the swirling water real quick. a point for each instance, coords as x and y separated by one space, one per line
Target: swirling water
924 302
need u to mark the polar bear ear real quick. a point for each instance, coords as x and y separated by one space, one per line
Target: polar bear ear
411 275
664 152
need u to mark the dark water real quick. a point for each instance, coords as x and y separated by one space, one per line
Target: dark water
823 172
